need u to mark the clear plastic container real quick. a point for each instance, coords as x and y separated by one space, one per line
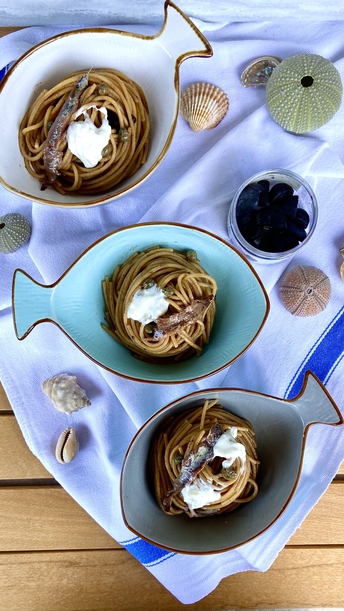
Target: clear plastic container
307 201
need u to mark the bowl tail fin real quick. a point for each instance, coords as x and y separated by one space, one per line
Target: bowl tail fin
315 404
180 37
31 303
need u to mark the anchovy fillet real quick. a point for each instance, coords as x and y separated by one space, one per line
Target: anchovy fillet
193 463
170 324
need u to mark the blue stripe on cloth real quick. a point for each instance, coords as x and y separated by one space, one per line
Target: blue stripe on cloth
324 356
146 553
4 71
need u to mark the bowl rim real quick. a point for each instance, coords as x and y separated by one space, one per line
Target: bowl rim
262 255
113 233
219 390
106 198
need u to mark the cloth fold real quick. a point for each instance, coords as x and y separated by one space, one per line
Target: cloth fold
193 185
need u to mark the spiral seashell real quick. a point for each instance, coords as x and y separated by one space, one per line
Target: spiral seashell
305 290
67 446
65 393
203 106
304 92
15 230
259 71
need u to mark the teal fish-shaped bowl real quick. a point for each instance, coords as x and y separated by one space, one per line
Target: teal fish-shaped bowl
75 302
281 427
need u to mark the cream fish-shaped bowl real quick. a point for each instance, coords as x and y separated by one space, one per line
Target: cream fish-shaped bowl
281 428
75 302
151 61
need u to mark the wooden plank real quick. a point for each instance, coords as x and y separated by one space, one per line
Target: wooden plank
16 460
114 580
5 405
58 522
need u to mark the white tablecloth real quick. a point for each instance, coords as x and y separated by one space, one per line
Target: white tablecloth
193 185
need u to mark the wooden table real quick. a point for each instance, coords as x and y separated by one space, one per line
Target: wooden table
54 556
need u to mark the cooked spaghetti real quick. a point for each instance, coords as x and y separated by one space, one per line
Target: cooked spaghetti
183 282
182 455
127 148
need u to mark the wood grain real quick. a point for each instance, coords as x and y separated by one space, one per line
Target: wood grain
58 522
16 460
114 580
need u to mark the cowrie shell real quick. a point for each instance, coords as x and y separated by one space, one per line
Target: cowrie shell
67 446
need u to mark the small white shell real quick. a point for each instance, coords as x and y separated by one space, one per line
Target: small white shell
259 71
65 393
67 446
203 106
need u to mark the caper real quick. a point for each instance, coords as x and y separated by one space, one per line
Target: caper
123 135
148 283
149 329
228 473
191 255
106 150
102 88
178 459
168 291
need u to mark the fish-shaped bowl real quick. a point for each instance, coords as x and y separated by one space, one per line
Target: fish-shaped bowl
75 302
151 61
281 427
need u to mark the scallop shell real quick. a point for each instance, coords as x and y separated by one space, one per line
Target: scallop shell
67 446
65 393
304 92
15 230
305 291
203 106
259 71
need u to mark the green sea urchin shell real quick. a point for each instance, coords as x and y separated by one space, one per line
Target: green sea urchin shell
304 92
15 231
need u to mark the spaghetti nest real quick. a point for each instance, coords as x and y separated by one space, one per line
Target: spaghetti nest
180 437
182 280
128 145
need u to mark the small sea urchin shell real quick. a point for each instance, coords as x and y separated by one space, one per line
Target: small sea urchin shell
305 291
65 393
304 92
15 230
203 106
259 71
67 446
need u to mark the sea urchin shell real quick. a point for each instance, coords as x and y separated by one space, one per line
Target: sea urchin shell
15 230
203 106
304 92
305 291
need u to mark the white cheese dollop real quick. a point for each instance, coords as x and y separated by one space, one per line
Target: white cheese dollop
228 447
199 493
148 304
86 141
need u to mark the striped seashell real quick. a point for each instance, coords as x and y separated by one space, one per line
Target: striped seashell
203 106
67 446
305 291
304 92
15 230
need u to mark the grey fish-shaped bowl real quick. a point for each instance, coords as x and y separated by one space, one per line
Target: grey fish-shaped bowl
75 302
151 61
281 428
